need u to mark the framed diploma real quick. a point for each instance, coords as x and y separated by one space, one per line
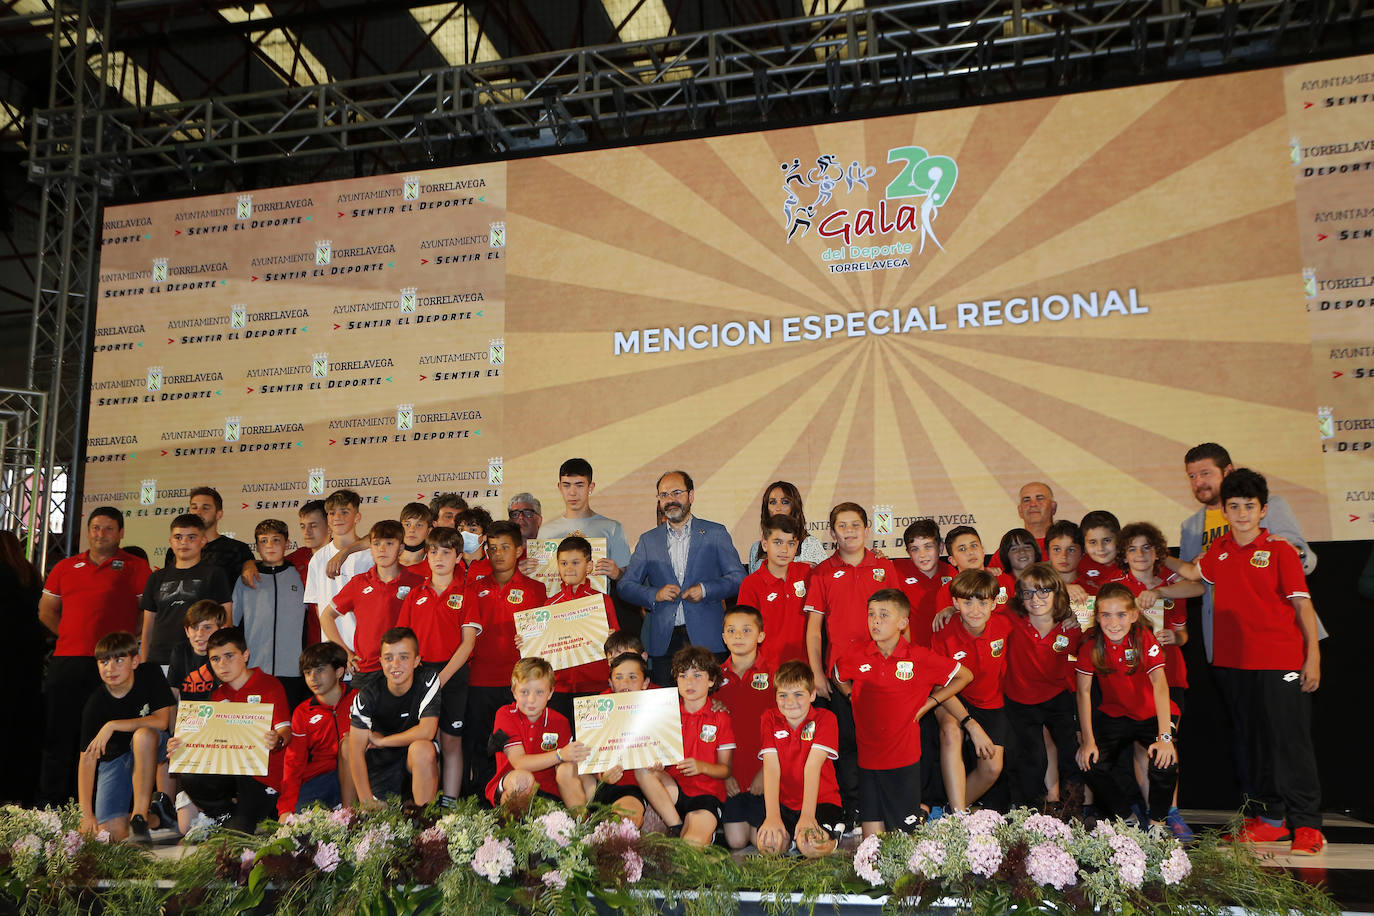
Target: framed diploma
632 730
544 551
566 634
222 738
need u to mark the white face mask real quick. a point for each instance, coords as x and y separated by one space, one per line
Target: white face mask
470 542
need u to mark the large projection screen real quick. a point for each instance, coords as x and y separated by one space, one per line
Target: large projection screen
917 313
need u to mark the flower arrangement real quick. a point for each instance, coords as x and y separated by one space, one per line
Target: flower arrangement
546 861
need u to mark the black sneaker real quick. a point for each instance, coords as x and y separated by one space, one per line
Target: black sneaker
138 831
162 806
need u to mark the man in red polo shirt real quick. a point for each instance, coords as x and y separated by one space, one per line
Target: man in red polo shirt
85 597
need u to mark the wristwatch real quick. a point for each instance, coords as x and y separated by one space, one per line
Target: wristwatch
1167 739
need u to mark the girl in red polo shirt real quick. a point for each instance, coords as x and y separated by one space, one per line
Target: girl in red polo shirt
1128 663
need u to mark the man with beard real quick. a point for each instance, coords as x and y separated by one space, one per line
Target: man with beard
681 573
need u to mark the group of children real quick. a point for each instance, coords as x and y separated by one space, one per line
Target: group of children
862 690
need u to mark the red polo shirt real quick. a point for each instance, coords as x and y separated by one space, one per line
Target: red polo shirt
593 676
782 602
922 591
262 688
840 593
494 615
1092 575
438 617
1175 617
471 572
705 733
888 692
1006 586
748 696
1254 624
1126 694
985 655
1039 668
818 730
97 599
549 731
375 606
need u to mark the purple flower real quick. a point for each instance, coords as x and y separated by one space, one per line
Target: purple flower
247 857
327 857
983 822
72 843
559 827
493 860
433 834
102 836
623 829
866 861
634 866
1048 864
1129 860
927 858
29 843
555 879
341 817
984 855
1175 868
287 819
1051 828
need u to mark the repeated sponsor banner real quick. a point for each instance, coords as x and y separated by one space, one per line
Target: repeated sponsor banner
916 313
629 730
223 738
566 634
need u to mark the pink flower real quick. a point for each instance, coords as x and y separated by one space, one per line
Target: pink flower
327 857
1051 828
555 879
983 822
433 834
984 855
247 857
493 860
287 819
634 866
102 836
29 842
927 858
1049 864
623 829
341 817
559 827
866 861
1175 868
72 843
1129 860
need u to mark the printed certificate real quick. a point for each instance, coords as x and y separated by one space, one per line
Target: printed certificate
634 730
544 552
566 634
222 738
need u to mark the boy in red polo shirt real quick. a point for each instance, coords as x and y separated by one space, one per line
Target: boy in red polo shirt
977 640
920 574
689 798
798 744
316 764
1265 650
1098 567
374 598
778 589
746 689
893 684
416 524
574 559
441 612
965 549
247 800
535 747
495 599
836 606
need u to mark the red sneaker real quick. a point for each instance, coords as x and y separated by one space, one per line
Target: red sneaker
1258 830
1307 841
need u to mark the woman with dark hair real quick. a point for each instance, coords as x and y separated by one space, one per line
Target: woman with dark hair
1017 551
782 498
21 677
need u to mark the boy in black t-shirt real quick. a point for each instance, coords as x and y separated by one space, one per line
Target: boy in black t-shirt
189 673
395 722
124 732
174 588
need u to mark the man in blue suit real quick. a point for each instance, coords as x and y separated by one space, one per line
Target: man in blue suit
682 572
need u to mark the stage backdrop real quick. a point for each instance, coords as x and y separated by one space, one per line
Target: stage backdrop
917 313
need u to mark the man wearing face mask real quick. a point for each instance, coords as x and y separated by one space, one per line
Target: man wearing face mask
682 572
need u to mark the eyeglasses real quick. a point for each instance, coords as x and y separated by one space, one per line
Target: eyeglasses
523 513
672 494
1043 591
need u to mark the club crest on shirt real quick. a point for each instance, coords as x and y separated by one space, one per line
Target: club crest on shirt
254 698
996 647
455 602
1061 642
799 589
906 670
1168 604
760 681
808 731
1002 595
516 595
1131 655
116 564
708 733
879 574
945 580
549 741
1260 559
403 591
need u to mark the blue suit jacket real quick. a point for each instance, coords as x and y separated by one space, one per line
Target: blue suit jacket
711 561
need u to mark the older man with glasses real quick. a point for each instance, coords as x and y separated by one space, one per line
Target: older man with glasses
681 573
524 509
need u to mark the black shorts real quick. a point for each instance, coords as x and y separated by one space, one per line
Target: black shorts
892 797
387 773
830 817
743 808
609 793
994 722
686 804
453 698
